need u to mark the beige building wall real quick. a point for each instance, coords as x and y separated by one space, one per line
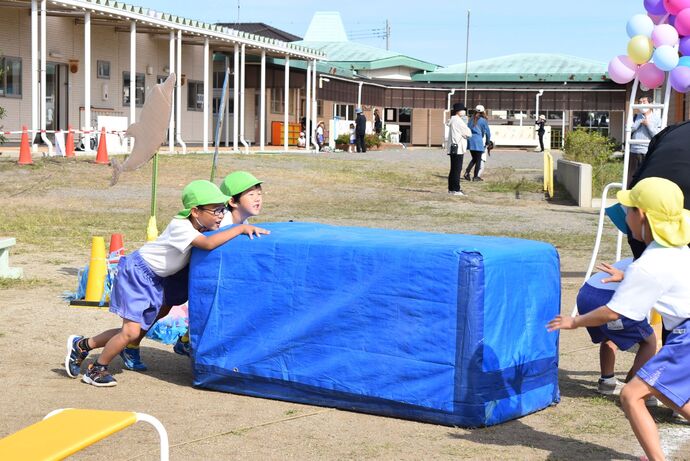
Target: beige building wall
65 42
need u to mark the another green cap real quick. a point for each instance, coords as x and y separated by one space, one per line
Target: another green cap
238 182
200 192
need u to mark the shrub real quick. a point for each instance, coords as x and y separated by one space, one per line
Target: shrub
372 140
342 139
591 147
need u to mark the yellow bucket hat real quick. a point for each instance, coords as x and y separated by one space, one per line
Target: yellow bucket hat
662 202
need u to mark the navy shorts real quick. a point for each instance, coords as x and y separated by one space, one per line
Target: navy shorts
176 288
668 371
624 332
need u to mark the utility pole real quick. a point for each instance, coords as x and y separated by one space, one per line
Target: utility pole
467 53
388 34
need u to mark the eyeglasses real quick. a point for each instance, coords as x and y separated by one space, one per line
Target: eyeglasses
220 211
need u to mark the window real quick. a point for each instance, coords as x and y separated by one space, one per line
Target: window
344 111
592 121
103 69
10 77
229 103
278 101
195 95
391 115
138 90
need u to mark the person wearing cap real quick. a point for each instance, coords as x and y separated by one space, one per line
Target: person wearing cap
481 135
360 130
658 278
541 121
645 126
458 133
149 279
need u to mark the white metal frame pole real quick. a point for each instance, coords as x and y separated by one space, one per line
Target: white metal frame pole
235 97
206 92
87 80
287 103
226 118
242 103
42 121
35 103
132 75
262 103
171 70
178 122
307 136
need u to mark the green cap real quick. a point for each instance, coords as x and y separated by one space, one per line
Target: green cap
238 182
200 192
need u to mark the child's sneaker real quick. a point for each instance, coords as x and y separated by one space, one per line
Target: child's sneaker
652 402
132 360
75 356
99 376
182 348
678 418
610 386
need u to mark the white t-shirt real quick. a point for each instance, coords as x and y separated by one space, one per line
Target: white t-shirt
658 279
227 220
169 253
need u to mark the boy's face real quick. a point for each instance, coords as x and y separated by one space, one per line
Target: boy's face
208 216
635 219
250 202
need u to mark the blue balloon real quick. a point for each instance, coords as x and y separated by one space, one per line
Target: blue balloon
684 61
665 57
640 24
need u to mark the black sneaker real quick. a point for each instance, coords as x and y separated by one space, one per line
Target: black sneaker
99 376
477 179
467 176
75 356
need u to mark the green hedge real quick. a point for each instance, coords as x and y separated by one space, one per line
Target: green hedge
592 147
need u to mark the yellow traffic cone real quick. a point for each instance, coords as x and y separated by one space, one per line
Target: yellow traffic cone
98 269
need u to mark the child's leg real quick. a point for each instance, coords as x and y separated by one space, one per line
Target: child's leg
633 402
129 332
165 310
644 353
100 340
607 358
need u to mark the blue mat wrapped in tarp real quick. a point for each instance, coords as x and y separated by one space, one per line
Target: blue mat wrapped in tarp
442 328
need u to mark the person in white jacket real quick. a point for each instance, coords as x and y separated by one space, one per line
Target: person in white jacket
458 132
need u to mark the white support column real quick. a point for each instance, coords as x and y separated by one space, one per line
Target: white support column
226 119
307 108
35 101
236 97
178 122
287 103
87 81
262 103
132 75
44 39
242 104
313 96
171 65
206 92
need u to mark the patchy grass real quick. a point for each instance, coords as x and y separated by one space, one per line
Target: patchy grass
24 283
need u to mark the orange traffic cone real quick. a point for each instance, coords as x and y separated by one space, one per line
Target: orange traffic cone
24 149
102 154
116 249
69 143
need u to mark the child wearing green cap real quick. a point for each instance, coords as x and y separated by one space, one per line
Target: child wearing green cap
146 279
658 278
245 202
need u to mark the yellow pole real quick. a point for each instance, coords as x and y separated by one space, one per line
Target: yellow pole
98 269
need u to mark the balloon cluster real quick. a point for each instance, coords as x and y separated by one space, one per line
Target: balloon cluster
659 43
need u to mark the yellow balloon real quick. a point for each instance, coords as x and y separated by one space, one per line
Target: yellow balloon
640 49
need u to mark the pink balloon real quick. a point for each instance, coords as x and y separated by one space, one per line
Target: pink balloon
622 70
674 6
664 34
651 76
683 22
680 79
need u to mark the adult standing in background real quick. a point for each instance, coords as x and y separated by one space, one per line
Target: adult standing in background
360 130
480 135
458 133
645 126
378 126
541 130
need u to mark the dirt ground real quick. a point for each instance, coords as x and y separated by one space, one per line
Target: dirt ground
54 207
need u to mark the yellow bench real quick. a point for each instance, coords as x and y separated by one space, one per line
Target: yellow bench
65 432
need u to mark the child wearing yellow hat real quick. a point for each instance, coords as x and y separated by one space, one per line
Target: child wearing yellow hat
144 278
658 278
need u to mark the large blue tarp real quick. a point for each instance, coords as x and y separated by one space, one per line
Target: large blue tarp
433 327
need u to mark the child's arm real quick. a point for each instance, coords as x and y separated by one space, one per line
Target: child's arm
214 241
598 316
